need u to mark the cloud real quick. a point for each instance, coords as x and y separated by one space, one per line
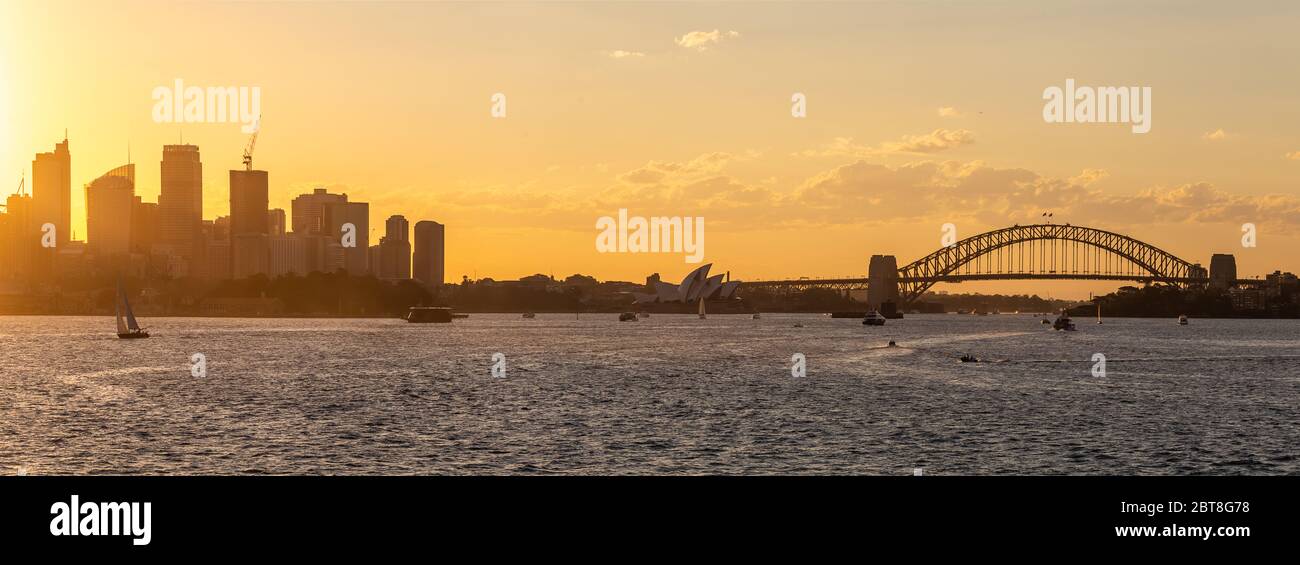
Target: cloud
621 54
949 112
937 140
933 142
1294 155
702 40
862 193
1216 135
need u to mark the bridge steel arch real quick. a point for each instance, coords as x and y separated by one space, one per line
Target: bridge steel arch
917 277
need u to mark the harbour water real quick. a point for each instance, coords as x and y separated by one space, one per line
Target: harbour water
668 394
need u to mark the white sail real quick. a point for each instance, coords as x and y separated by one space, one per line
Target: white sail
702 309
130 316
117 307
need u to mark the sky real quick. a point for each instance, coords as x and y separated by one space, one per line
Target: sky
918 114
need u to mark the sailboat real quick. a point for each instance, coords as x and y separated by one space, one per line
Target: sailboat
1098 313
127 328
702 309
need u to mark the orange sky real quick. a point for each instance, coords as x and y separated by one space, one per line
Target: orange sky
613 105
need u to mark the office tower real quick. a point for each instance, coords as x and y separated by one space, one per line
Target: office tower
335 215
395 249
21 238
180 204
144 225
249 237
52 191
308 211
109 202
428 261
289 254
275 221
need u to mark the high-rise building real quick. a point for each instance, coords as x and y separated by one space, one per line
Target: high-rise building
335 215
109 202
308 211
52 191
20 236
250 252
275 221
144 225
180 204
395 249
427 264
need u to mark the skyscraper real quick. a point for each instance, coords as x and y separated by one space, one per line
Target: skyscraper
109 201
250 251
395 249
308 211
52 191
275 221
429 257
180 204
336 214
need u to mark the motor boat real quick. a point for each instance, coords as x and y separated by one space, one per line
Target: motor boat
873 318
1063 322
756 316
627 317
529 315
1182 320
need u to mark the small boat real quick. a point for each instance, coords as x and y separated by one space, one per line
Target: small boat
756 316
430 315
873 318
1182 320
798 325
892 344
702 316
968 358
627 317
1063 322
127 328
456 316
530 315
1043 321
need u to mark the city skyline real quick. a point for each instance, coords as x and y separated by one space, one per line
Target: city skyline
669 117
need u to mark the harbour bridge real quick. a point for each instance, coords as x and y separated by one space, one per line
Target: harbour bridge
1030 252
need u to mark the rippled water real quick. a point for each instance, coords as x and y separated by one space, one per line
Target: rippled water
668 394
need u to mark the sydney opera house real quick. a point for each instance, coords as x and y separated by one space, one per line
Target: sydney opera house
715 290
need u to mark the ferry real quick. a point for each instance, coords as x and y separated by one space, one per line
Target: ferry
429 315
873 318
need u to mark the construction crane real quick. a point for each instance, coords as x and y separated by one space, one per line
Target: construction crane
252 142
22 187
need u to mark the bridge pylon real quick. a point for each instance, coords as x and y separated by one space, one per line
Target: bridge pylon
882 280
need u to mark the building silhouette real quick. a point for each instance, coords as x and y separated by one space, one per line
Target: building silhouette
355 258
395 249
180 210
52 191
429 258
110 200
250 252
309 211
